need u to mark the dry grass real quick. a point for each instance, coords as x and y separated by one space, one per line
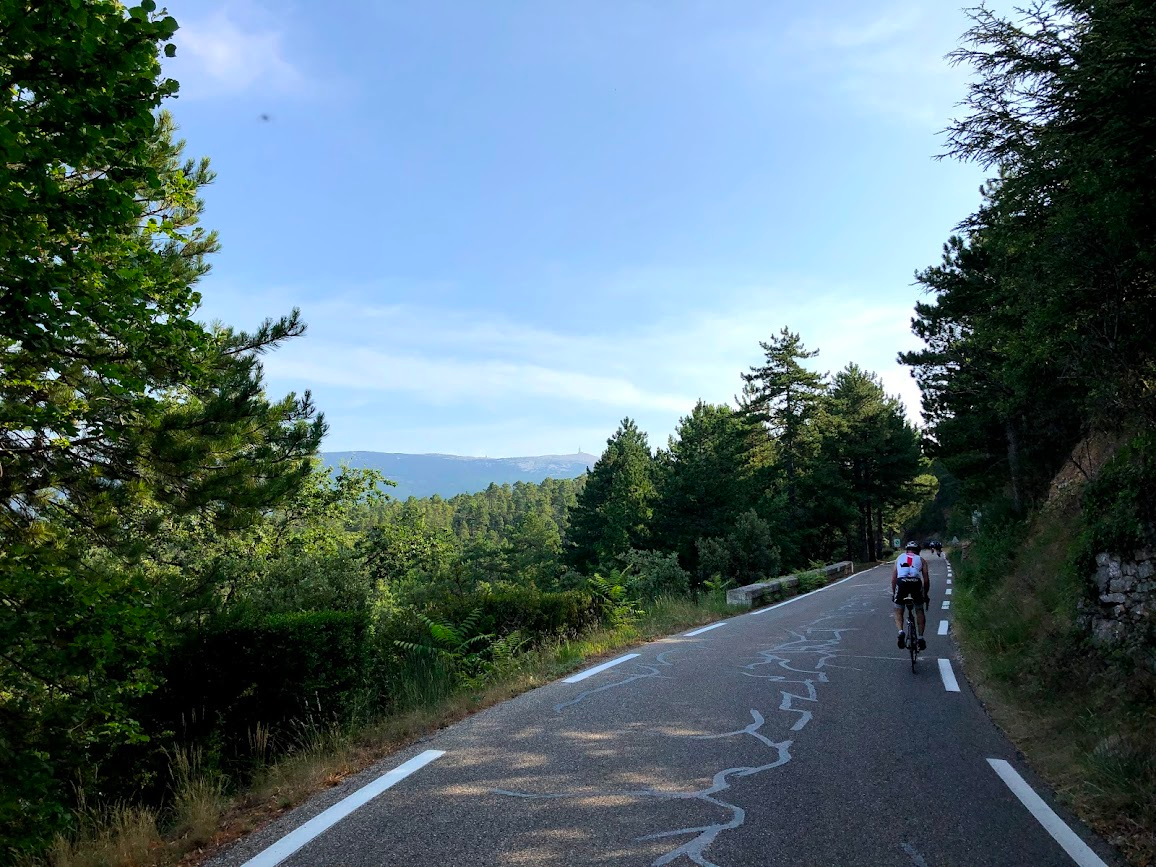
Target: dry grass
123 836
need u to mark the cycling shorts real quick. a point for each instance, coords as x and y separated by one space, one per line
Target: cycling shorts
908 587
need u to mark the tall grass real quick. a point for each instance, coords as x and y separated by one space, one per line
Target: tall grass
1085 720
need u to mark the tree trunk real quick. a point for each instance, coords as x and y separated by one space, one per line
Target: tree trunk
880 544
861 542
1015 469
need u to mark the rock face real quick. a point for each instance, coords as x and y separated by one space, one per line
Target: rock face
1122 616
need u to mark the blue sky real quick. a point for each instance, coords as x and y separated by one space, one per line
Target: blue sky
510 224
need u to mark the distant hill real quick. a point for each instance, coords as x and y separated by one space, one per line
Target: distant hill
447 475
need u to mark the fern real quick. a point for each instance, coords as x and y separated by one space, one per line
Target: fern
618 607
473 656
716 584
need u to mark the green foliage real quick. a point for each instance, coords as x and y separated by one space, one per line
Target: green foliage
1063 103
612 595
811 580
534 613
1119 504
655 573
490 515
123 420
747 553
269 671
785 396
613 512
705 478
465 650
1042 325
717 585
874 453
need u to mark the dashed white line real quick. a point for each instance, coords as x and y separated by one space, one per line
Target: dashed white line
948 676
1077 849
942 628
949 581
704 629
947 592
946 604
293 841
590 672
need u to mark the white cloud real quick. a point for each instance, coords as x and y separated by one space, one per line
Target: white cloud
219 54
479 366
509 437
460 381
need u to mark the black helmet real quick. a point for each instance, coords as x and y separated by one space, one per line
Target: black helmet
912 546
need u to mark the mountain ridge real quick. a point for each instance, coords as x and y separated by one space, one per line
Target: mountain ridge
427 474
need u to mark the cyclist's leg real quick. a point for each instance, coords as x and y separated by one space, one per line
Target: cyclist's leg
921 619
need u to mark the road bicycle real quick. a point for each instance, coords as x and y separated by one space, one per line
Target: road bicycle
912 633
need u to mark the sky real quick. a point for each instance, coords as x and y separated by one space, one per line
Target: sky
511 224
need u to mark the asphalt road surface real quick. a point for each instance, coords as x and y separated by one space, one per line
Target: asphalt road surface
793 735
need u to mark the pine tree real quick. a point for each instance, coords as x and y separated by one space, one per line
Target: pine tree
874 451
705 479
120 413
613 512
784 396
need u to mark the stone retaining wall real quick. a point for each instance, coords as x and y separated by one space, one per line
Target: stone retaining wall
1123 616
753 595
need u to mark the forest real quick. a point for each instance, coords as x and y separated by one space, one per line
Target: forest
187 595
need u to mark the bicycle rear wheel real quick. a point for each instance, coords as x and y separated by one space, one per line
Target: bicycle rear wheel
912 636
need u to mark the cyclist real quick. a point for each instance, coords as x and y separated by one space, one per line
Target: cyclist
909 578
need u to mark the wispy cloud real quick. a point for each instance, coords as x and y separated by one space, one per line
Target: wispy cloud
477 366
889 63
463 381
224 53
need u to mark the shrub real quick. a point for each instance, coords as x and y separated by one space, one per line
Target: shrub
656 573
747 553
1120 503
536 614
233 678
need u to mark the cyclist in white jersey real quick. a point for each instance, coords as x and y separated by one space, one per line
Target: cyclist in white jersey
909 578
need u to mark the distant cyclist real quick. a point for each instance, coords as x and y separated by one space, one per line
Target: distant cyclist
909 580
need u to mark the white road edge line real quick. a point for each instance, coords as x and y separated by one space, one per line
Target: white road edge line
942 628
1079 851
945 605
947 592
805 595
590 672
316 826
704 629
948 676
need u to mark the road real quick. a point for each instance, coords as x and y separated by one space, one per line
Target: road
793 735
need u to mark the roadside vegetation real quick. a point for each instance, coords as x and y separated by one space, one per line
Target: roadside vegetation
198 622
1037 380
